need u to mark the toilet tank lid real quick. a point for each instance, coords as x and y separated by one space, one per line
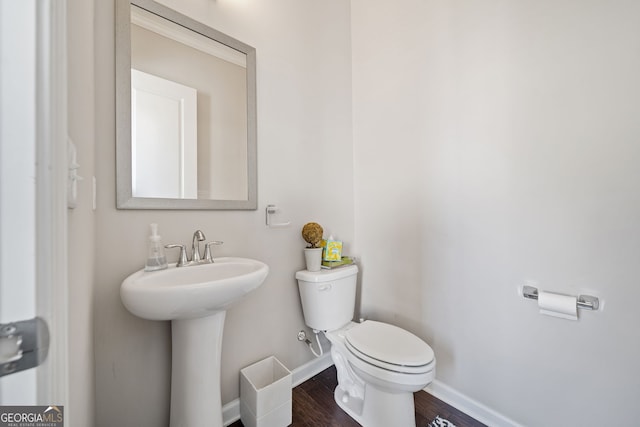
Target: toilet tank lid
327 275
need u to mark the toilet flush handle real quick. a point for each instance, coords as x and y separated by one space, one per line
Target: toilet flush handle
324 288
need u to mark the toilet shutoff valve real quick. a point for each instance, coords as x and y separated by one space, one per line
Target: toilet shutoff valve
302 337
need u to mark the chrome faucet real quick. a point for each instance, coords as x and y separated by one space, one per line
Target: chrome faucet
198 237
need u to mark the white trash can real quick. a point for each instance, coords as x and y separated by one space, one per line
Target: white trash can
265 394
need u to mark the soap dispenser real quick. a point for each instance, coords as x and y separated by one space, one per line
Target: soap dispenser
156 260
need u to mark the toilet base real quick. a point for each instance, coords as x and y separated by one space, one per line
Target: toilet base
379 409
349 404
368 394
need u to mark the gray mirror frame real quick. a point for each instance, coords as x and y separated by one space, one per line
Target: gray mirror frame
125 199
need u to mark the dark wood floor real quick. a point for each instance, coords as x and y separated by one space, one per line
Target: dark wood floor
313 406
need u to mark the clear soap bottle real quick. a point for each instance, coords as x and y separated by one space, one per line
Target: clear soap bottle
156 260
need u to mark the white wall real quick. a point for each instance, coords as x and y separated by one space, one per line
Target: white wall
497 142
304 137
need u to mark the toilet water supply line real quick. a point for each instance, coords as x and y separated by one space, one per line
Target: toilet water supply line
302 336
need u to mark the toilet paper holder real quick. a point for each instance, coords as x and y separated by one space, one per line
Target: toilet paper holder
587 302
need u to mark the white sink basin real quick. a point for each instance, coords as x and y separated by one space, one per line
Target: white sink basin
195 299
192 291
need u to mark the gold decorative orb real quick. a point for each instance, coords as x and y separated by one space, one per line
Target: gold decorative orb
312 234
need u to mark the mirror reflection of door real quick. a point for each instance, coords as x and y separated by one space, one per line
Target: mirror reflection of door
164 138
218 75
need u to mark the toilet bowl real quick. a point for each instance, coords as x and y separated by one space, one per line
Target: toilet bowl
379 368
379 365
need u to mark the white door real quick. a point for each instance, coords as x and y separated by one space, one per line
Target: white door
32 202
164 138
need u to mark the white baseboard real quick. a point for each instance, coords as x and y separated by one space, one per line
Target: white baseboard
231 411
311 369
471 407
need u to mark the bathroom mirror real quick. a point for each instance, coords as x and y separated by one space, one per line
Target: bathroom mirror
186 113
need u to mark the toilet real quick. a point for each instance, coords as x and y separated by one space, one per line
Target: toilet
379 365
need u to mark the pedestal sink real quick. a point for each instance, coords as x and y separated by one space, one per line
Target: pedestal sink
194 299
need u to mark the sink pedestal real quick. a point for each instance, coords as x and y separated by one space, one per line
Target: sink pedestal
195 371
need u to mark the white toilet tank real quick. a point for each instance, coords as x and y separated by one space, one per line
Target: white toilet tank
328 297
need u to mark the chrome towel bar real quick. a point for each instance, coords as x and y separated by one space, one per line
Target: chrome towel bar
587 302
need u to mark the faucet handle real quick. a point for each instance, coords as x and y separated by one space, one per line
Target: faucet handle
208 257
182 258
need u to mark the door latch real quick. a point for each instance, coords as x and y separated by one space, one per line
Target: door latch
23 345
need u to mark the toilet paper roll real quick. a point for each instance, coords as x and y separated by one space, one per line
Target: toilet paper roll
562 306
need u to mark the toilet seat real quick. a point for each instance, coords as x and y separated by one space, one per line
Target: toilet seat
389 347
